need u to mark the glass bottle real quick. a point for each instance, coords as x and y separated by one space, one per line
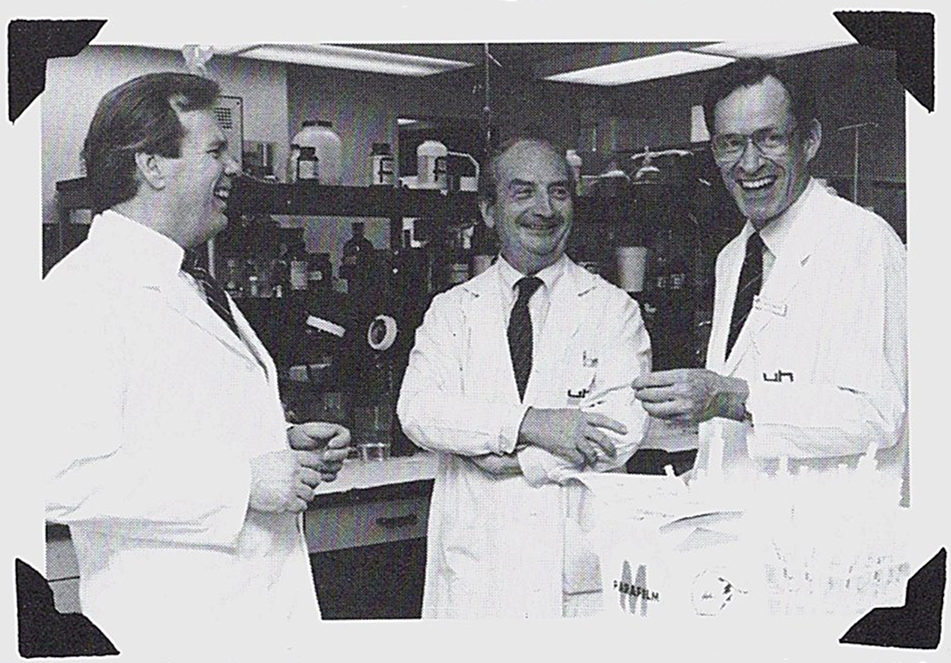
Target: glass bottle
352 249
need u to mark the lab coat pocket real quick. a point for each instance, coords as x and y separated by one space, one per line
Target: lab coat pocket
580 376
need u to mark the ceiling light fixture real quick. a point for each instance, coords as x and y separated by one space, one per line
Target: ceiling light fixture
663 65
346 57
774 49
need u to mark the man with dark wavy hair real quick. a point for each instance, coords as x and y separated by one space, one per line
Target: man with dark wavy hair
807 355
179 479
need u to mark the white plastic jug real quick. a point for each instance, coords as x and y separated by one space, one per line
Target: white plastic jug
327 147
431 165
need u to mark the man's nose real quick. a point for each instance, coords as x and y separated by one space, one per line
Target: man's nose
231 166
543 204
751 159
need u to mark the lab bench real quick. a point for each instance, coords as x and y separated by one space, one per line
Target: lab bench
365 533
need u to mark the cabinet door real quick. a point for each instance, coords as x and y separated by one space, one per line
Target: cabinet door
383 581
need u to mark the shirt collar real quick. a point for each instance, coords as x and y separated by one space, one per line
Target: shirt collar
140 249
549 275
777 231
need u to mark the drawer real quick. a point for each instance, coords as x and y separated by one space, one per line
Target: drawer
365 523
60 559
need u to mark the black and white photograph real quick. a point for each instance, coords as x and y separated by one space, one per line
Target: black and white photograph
508 329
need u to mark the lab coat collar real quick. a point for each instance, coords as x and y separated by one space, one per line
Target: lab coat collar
580 279
151 260
549 276
146 256
776 233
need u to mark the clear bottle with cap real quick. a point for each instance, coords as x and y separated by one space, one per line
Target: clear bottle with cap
381 165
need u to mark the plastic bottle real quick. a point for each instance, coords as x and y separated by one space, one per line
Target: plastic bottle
381 165
574 161
298 268
431 165
327 148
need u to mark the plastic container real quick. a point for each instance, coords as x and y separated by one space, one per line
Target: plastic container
431 165
326 146
574 161
381 165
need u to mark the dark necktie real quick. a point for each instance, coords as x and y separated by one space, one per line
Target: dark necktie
751 279
520 332
214 294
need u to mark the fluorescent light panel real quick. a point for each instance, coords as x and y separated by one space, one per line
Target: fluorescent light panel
345 57
643 69
770 49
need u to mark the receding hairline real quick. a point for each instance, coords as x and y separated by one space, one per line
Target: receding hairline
522 143
787 95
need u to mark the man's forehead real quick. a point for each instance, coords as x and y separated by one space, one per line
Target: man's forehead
202 123
531 162
767 99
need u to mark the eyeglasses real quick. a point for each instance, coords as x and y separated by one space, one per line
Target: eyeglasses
770 142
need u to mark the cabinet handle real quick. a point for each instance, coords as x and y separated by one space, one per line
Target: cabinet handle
397 521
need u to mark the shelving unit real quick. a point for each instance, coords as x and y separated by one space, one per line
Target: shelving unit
305 199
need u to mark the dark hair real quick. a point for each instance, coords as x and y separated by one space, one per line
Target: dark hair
141 115
750 71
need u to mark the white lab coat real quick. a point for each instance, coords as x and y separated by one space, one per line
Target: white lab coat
824 347
158 409
497 546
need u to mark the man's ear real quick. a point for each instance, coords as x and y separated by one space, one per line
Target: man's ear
151 170
488 213
813 140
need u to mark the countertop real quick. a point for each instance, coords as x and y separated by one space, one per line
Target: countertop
362 475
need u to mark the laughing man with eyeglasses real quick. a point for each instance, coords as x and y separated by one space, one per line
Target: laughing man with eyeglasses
807 354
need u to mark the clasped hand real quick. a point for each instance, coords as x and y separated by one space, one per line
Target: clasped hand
284 480
570 433
691 395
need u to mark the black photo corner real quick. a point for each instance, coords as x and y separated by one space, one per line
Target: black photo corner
45 632
29 44
915 625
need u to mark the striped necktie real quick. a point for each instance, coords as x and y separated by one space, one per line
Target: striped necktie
520 332
214 293
751 279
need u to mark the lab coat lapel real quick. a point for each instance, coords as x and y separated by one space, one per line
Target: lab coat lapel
783 277
564 318
487 318
205 319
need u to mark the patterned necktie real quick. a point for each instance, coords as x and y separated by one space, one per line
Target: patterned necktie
520 332
214 294
751 279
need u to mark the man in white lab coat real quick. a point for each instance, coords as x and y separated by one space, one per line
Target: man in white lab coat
498 384
807 355
173 464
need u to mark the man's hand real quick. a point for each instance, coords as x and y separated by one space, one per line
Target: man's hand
570 433
691 395
331 440
284 480
496 465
